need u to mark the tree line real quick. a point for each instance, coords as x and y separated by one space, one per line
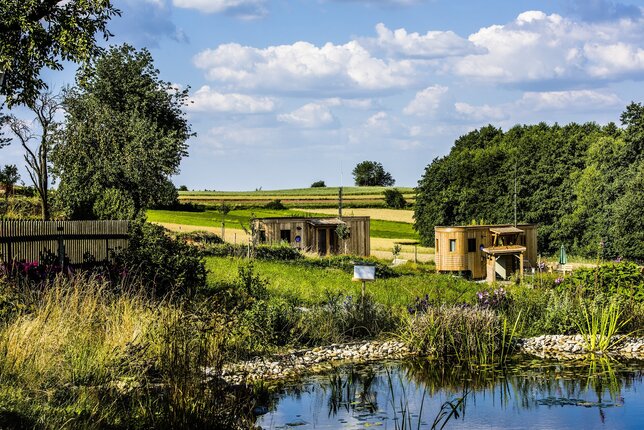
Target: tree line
582 183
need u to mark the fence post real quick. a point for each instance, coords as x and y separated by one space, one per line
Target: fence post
61 248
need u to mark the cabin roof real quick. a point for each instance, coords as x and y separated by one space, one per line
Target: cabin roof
508 249
325 221
506 230
484 226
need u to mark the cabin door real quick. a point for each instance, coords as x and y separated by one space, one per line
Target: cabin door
322 241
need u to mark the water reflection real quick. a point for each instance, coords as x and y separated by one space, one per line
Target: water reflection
415 394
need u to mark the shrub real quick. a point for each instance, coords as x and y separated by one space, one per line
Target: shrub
619 278
318 184
161 262
281 252
346 263
394 198
275 205
200 237
342 318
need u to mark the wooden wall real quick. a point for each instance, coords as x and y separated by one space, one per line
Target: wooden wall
26 240
461 260
357 244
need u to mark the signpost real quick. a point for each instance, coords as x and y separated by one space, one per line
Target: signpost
364 274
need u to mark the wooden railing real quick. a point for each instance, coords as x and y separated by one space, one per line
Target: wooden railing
73 242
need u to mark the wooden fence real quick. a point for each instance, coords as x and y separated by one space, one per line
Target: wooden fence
73 240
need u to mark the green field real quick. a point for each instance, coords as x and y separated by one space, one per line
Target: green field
295 192
239 217
312 285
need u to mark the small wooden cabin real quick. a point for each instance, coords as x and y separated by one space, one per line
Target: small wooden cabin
486 251
317 235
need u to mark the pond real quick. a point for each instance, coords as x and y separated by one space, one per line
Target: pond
526 394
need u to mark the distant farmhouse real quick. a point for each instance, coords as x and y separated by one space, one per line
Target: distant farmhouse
486 251
319 235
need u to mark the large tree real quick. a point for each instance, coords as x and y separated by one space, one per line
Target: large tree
125 136
371 173
44 33
580 182
37 158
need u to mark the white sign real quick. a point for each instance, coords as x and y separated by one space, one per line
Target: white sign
364 273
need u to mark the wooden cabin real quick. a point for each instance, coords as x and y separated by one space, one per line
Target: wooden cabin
317 235
486 251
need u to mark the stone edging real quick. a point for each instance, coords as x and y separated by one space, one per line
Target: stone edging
568 347
315 360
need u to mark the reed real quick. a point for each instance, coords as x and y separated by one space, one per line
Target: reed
600 326
465 334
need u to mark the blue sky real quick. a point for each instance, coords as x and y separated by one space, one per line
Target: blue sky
286 93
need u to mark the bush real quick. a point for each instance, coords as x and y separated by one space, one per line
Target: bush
200 237
624 279
343 318
161 262
279 252
346 263
318 184
394 199
275 205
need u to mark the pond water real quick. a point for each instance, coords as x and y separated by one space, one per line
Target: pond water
527 394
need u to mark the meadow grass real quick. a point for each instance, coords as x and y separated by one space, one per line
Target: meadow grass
399 215
304 192
313 285
241 217
87 356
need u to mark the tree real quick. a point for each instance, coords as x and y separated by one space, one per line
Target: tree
318 184
394 199
8 178
45 108
371 173
125 130
44 33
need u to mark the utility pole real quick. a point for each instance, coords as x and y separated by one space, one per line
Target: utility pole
515 193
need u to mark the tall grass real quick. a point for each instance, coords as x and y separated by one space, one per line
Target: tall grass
471 335
600 327
84 356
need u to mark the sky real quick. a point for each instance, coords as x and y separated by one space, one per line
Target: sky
284 93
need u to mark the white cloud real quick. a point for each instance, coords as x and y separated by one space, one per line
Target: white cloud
434 44
208 100
303 68
479 113
240 8
532 102
311 115
560 100
537 48
426 101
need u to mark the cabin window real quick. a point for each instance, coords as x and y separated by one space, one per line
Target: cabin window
452 245
262 236
285 235
471 245
436 250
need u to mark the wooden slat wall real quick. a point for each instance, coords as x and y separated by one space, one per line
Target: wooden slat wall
26 240
461 260
357 244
